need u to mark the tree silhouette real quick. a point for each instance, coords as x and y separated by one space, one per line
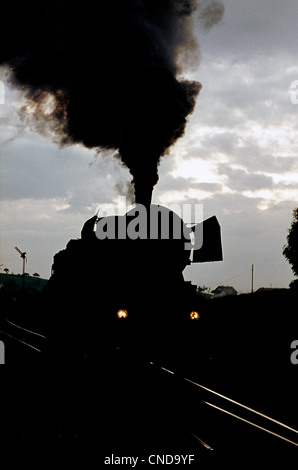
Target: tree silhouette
36 275
290 250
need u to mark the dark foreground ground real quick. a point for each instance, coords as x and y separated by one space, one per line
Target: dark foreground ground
120 405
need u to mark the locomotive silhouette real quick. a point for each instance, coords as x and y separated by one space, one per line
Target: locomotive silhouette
122 282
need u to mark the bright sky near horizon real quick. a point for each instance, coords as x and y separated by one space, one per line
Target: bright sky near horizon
238 157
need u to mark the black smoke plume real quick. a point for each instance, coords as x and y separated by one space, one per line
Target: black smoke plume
105 73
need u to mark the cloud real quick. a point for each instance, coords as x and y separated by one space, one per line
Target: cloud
241 180
185 184
34 168
254 28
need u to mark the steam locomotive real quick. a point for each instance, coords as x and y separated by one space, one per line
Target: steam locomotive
122 282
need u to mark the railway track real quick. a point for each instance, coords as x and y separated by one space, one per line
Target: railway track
277 434
24 340
220 424
21 328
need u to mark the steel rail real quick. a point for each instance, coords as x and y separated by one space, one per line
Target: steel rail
20 341
25 329
234 402
241 405
250 422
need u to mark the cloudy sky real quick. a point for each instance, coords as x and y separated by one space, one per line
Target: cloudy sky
238 157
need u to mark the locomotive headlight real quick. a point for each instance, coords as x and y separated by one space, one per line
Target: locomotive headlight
122 313
194 315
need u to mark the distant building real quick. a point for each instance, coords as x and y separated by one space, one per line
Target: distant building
222 291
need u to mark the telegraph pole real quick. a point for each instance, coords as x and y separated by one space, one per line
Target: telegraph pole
252 278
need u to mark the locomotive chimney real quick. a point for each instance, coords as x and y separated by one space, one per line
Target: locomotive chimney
143 193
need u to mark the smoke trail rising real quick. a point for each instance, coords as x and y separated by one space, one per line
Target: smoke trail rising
106 74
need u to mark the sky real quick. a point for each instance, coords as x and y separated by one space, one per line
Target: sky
238 158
